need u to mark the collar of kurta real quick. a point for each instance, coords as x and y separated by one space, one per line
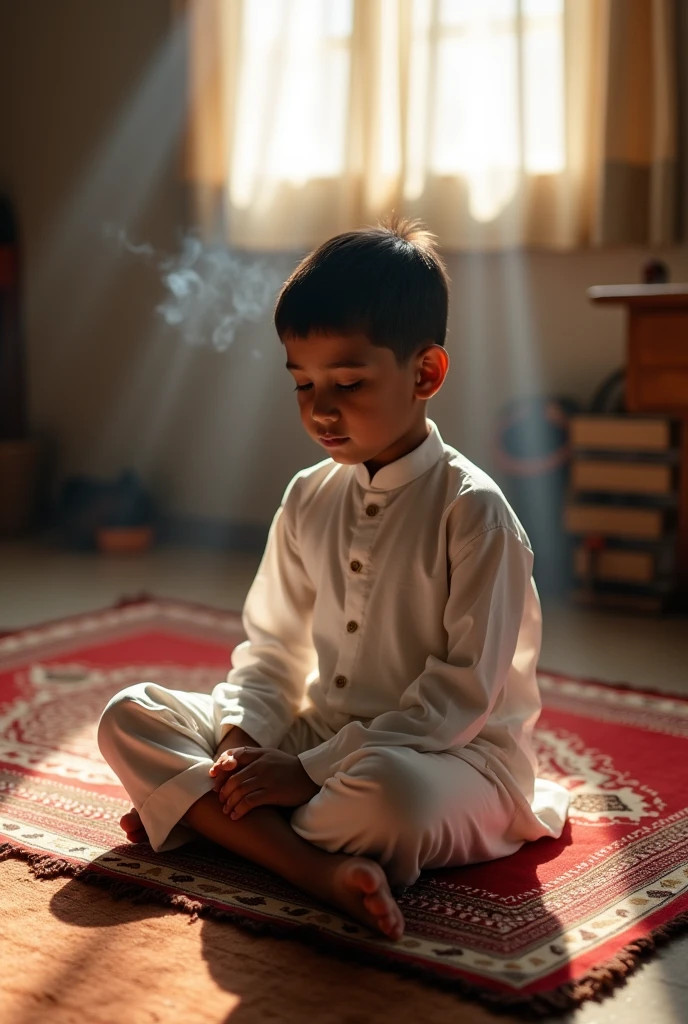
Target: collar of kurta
407 468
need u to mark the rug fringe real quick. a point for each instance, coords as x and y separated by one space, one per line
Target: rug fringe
598 982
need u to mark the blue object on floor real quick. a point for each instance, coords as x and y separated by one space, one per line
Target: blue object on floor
86 504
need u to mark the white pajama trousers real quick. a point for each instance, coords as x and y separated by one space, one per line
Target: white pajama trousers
404 809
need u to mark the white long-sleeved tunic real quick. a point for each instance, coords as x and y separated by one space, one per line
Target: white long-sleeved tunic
396 611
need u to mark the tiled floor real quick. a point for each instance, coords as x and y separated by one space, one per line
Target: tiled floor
39 582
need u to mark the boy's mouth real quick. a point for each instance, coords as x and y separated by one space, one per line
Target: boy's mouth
330 441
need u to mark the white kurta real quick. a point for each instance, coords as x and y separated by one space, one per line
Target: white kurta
393 633
397 612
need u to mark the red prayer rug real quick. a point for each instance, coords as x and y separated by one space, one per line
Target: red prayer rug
556 923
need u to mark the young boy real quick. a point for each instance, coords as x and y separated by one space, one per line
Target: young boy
386 694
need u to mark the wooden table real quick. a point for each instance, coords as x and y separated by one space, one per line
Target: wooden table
657 370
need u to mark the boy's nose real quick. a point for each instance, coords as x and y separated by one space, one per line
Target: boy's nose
324 414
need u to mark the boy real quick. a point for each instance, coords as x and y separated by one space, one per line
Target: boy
378 718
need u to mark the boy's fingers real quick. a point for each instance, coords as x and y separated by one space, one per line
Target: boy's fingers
245 755
238 792
224 762
221 772
235 782
224 789
227 761
256 798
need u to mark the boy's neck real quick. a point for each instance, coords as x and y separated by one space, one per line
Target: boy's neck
407 443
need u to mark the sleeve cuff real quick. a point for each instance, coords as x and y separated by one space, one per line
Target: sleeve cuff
317 764
265 733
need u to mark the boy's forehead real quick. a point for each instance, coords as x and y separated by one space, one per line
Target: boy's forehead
332 351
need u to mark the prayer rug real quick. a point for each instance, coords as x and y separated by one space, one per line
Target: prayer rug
556 923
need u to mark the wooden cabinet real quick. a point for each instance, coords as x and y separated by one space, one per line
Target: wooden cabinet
657 372
622 510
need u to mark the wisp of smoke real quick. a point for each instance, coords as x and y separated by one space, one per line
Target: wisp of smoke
211 292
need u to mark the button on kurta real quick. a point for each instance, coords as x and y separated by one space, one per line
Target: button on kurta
356 566
372 510
340 681
351 627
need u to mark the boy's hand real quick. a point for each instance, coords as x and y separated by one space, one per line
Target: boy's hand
220 770
236 737
261 775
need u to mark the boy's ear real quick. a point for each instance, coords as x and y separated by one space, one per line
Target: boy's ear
432 370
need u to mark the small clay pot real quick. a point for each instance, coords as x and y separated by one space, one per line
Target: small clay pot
124 540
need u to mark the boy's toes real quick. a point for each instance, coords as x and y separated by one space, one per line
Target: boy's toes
365 893
378 904
388 915
393 927
133 826
131 821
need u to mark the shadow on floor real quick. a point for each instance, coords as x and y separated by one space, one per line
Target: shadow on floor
313 980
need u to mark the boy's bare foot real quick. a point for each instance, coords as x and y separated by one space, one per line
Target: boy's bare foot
133 826
356 885
360 887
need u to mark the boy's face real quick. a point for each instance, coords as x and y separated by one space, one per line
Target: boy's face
377 407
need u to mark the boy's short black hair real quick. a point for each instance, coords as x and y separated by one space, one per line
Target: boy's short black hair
387 282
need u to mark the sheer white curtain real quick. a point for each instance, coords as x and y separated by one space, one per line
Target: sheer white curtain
487 118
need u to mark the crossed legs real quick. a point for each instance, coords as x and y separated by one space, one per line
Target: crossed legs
159 746
385 815
356 885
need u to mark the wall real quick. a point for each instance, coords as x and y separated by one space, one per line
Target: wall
91 104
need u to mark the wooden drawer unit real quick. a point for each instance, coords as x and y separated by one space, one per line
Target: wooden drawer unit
622 509
657 374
